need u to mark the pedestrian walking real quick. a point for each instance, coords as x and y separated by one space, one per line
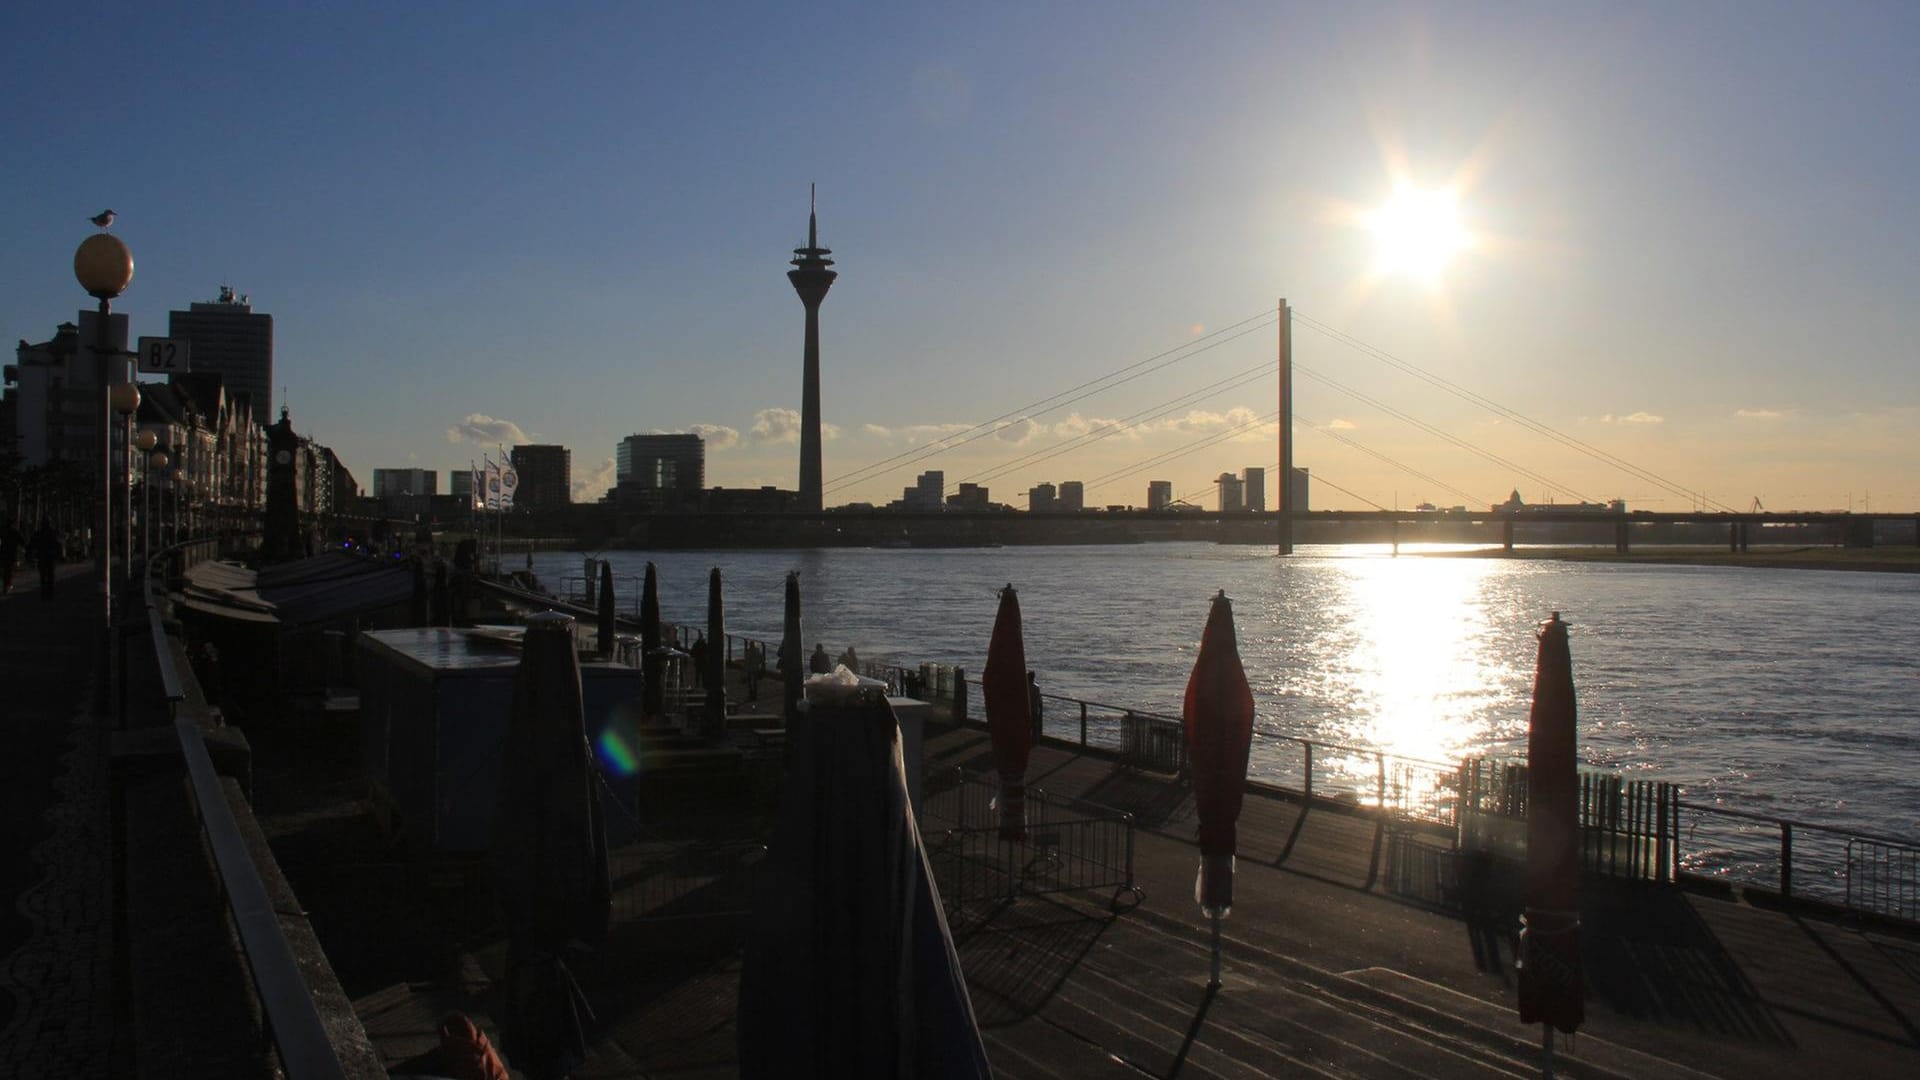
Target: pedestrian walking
44 549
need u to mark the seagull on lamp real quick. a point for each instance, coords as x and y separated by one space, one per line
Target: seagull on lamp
104 219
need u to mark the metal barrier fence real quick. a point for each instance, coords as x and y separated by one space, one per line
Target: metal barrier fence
1883 878
1071 845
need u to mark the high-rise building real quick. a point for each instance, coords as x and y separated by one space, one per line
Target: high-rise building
546 477
1072 497
1040 498
460 482
404 482
1253 487
1159 494
660 472
969 497
927 493
1232 498
811 279
231 341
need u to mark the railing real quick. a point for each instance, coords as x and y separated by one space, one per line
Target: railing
292 1021
1071 845
1847 867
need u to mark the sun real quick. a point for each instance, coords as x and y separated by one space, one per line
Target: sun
1417 233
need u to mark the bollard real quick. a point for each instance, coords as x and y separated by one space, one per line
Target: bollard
1307 795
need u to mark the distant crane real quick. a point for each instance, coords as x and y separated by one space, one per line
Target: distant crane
1757 508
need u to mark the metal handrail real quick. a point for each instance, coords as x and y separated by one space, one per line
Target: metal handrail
292 1019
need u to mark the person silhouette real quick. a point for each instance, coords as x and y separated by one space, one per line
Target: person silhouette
820 663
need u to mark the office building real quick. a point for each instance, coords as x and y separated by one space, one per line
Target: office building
660 472
1159 494
969 497
546 478
1253 488
230 340
1072 497
1232 498
405 491
1040 499
927 493
1297 492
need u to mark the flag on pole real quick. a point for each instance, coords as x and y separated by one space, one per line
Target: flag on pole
509 479
476 487
493 485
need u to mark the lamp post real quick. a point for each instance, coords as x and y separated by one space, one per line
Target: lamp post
176 480
149 443
103 265
125 399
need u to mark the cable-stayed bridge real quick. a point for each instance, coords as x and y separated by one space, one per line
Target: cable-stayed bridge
1257 381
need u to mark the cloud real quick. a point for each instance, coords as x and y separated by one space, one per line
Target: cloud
1338 424
1758 414
1075 426
829 432
775 426
914 433
487 430
717 436
1642 417
1018 431
589 487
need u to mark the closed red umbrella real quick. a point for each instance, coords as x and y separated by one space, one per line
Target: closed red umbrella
1003 688
1218 717
1552 992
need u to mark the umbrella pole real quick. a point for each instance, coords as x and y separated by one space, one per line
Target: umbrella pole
1546 1051
1213 980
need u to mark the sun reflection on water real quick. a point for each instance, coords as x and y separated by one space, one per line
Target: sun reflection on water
1412 659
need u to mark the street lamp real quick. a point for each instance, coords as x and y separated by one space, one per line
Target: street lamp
125 399
103 266
147 442
176 481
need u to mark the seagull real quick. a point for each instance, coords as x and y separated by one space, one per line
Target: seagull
104 219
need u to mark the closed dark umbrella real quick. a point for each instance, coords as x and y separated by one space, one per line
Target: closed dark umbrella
1003 690
792 652
1218 718
549 853
849 968
605 609
716 659
652 693
1552 990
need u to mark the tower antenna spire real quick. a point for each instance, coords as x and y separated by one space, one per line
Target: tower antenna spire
813 221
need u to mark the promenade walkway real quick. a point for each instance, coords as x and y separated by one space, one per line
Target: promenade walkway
1679 983
55 845
1327 972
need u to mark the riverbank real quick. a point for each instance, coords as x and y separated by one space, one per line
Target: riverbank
1881 560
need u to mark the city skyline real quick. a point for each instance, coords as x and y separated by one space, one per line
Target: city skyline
1684 237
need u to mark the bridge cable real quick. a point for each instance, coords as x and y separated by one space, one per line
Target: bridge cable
1495 407
1158 361
1463 444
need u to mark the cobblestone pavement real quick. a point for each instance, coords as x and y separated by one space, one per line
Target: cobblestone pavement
56 944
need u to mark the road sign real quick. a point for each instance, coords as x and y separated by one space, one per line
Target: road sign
165 356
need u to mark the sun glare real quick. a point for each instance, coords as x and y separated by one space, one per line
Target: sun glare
1417 233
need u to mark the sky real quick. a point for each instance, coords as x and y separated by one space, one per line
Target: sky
1688 235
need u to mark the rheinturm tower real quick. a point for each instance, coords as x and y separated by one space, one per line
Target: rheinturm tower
811 279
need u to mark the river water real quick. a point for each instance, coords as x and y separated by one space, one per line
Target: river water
1791 693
